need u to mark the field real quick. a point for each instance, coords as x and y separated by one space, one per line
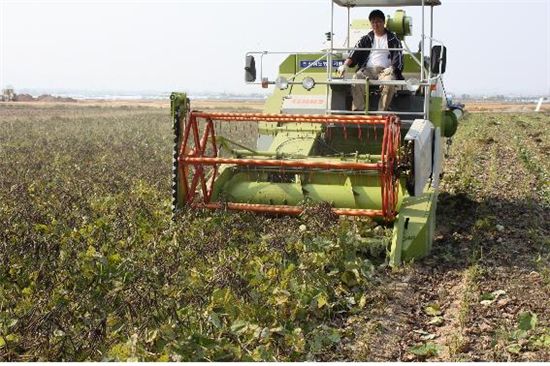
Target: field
93 268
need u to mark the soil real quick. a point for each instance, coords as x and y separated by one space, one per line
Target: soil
491 237
257 105
202 104
479 106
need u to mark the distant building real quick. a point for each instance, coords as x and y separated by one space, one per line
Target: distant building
8 94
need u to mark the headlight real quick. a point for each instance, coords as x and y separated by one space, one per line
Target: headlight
413 85
308 83
281 82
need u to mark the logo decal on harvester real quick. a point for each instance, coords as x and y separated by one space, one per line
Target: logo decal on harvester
304 102
320 63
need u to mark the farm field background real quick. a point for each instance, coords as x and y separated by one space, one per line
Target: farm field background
93 268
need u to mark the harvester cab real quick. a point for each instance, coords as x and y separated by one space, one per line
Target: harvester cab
312 147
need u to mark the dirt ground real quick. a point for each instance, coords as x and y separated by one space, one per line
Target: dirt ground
206 104
257 105
490 264
478 106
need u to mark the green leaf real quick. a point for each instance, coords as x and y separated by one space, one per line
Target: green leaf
518 334
221 297
367 268
115 259
425 350
281 296
2 342
239 326
215 320
294 340
261 353
433 310
436 320
167 332
203 341
334 336
41 228
514 348
12 337
362 301
527 320
349 278
543 341
91 252
487 296
12 323
265 333
321 300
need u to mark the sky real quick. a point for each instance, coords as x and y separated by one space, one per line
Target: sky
494 47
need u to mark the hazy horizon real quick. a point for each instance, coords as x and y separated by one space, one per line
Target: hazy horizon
159 94
199 46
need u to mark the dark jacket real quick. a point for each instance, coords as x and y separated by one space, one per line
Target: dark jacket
361 57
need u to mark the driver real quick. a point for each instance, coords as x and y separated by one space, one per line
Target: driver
381 64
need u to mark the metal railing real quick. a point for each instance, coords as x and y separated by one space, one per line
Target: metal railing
425 81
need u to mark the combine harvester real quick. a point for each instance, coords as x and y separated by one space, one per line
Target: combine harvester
313 148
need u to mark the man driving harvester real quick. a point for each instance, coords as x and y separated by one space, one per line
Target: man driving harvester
379 64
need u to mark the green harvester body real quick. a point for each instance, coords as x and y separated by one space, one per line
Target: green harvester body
414 222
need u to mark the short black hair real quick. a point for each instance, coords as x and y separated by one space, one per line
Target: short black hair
377 14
